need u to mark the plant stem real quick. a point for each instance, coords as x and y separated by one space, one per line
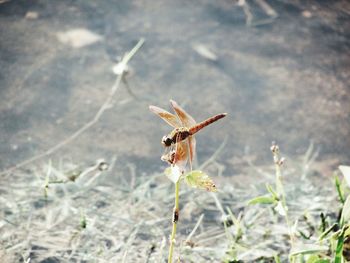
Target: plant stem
280 190
175 219
279 184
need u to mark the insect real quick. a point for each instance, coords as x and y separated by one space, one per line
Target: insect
181 141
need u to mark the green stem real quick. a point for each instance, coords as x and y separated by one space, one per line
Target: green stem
279 184
338 252
175 220
282 194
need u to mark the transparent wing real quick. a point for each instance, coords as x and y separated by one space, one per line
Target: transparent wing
181 154
192 148
185 118
168 117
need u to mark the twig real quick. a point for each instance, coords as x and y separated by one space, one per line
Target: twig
161 249
218 205
246 10
88 125
267 8
308 159
195 228
210 238
128 244
126 83
215 154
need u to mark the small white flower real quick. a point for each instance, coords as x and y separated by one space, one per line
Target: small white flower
280 209
120 68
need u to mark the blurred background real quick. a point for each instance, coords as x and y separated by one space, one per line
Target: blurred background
279 68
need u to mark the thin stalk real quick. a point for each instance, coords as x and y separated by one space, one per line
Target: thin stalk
339 249
175 220
281 192
279 184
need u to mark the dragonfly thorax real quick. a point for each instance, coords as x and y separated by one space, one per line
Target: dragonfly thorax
177 135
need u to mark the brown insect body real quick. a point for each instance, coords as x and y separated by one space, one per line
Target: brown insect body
182 133
169 157
177 135
180 144
205 123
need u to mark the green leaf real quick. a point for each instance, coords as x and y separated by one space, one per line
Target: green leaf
339 189
346 172
327 231
317 259
309 249
264 199
277 258
272 191
345 215
339 250
198 179
346 230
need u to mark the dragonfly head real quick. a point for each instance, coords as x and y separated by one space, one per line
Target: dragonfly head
167 141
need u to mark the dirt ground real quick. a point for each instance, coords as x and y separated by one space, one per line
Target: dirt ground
280 70
284 79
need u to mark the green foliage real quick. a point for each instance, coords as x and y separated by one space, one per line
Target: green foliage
339 250
339 188
346 173
345 215
272 198
317 259
334 232
309 250
199 179
264 199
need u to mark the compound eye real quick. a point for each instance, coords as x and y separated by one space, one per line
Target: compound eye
166 141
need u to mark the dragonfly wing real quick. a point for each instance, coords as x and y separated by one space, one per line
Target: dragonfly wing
168 117
185 118
192 147
181 154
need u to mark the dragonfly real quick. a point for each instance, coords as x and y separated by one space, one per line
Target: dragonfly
181 140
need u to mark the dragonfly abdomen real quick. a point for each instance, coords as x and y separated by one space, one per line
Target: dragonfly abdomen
205 123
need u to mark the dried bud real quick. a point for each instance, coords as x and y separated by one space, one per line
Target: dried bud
274 148
176 215
102 165
281 161
190 243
